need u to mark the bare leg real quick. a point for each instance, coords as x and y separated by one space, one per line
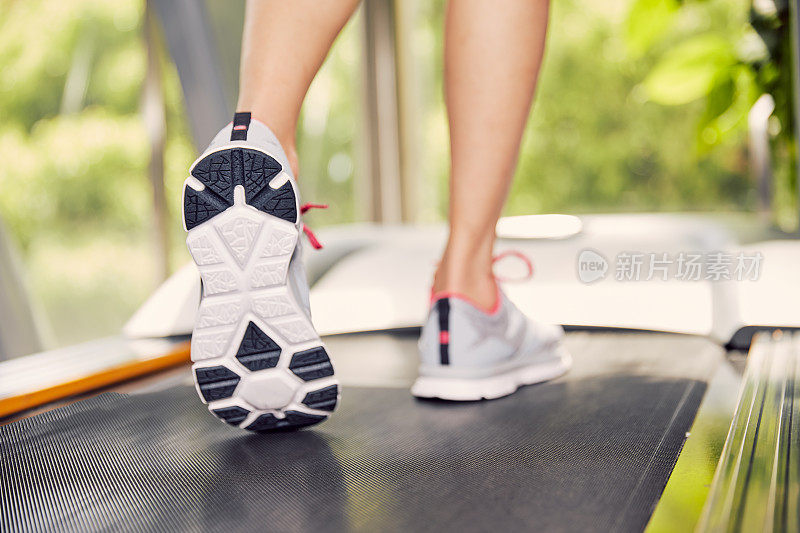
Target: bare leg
284 45
493 51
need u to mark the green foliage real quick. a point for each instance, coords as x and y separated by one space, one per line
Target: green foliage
79 171
75 193
704 65
691 70
597 141
34 70
727 68
648 21
601 137
71 171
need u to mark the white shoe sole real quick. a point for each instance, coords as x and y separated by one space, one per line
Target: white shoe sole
492 387
259 363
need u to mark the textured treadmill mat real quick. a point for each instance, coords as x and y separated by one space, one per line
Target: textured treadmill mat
588 453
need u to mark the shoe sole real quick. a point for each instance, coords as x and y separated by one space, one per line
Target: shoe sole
493 387
259 363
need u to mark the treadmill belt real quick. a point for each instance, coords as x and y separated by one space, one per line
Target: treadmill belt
591 452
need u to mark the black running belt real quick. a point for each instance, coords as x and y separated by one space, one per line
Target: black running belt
591 452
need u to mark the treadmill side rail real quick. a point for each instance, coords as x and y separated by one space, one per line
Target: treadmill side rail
39 379
755 486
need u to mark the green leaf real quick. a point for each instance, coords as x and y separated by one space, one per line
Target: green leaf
647 21
727 107
718 101
690 70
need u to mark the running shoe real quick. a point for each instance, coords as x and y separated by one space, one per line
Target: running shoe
469 353
259 363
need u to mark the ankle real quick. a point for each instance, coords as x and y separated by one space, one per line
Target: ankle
291 155
471 280
466 268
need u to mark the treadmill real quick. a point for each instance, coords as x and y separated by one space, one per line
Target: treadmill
679 412
673 428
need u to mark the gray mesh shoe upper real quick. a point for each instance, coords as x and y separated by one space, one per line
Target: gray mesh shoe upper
460 337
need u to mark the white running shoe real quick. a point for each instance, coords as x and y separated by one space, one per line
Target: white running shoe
471 354
259 363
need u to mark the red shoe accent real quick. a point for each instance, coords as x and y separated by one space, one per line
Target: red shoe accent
306 207
450 294
311 237
496 306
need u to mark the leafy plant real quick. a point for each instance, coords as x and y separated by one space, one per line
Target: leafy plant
728 70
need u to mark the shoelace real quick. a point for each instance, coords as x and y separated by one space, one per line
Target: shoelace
310 234
519 255
499 257
512 253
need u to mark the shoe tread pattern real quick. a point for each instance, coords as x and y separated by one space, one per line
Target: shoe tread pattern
311 364
216 382
322 399
293 420
257 351
233 415
220 172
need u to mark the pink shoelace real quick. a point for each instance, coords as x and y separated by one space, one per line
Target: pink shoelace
310 234
499 257
519 255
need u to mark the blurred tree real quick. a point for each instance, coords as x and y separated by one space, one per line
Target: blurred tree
598 141
727 67
74 184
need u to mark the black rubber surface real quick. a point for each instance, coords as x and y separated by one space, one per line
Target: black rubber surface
590 452
216 382
311 364
220 172
257 351
292 421
232 415
322 399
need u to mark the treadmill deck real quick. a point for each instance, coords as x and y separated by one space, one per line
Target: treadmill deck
590 451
